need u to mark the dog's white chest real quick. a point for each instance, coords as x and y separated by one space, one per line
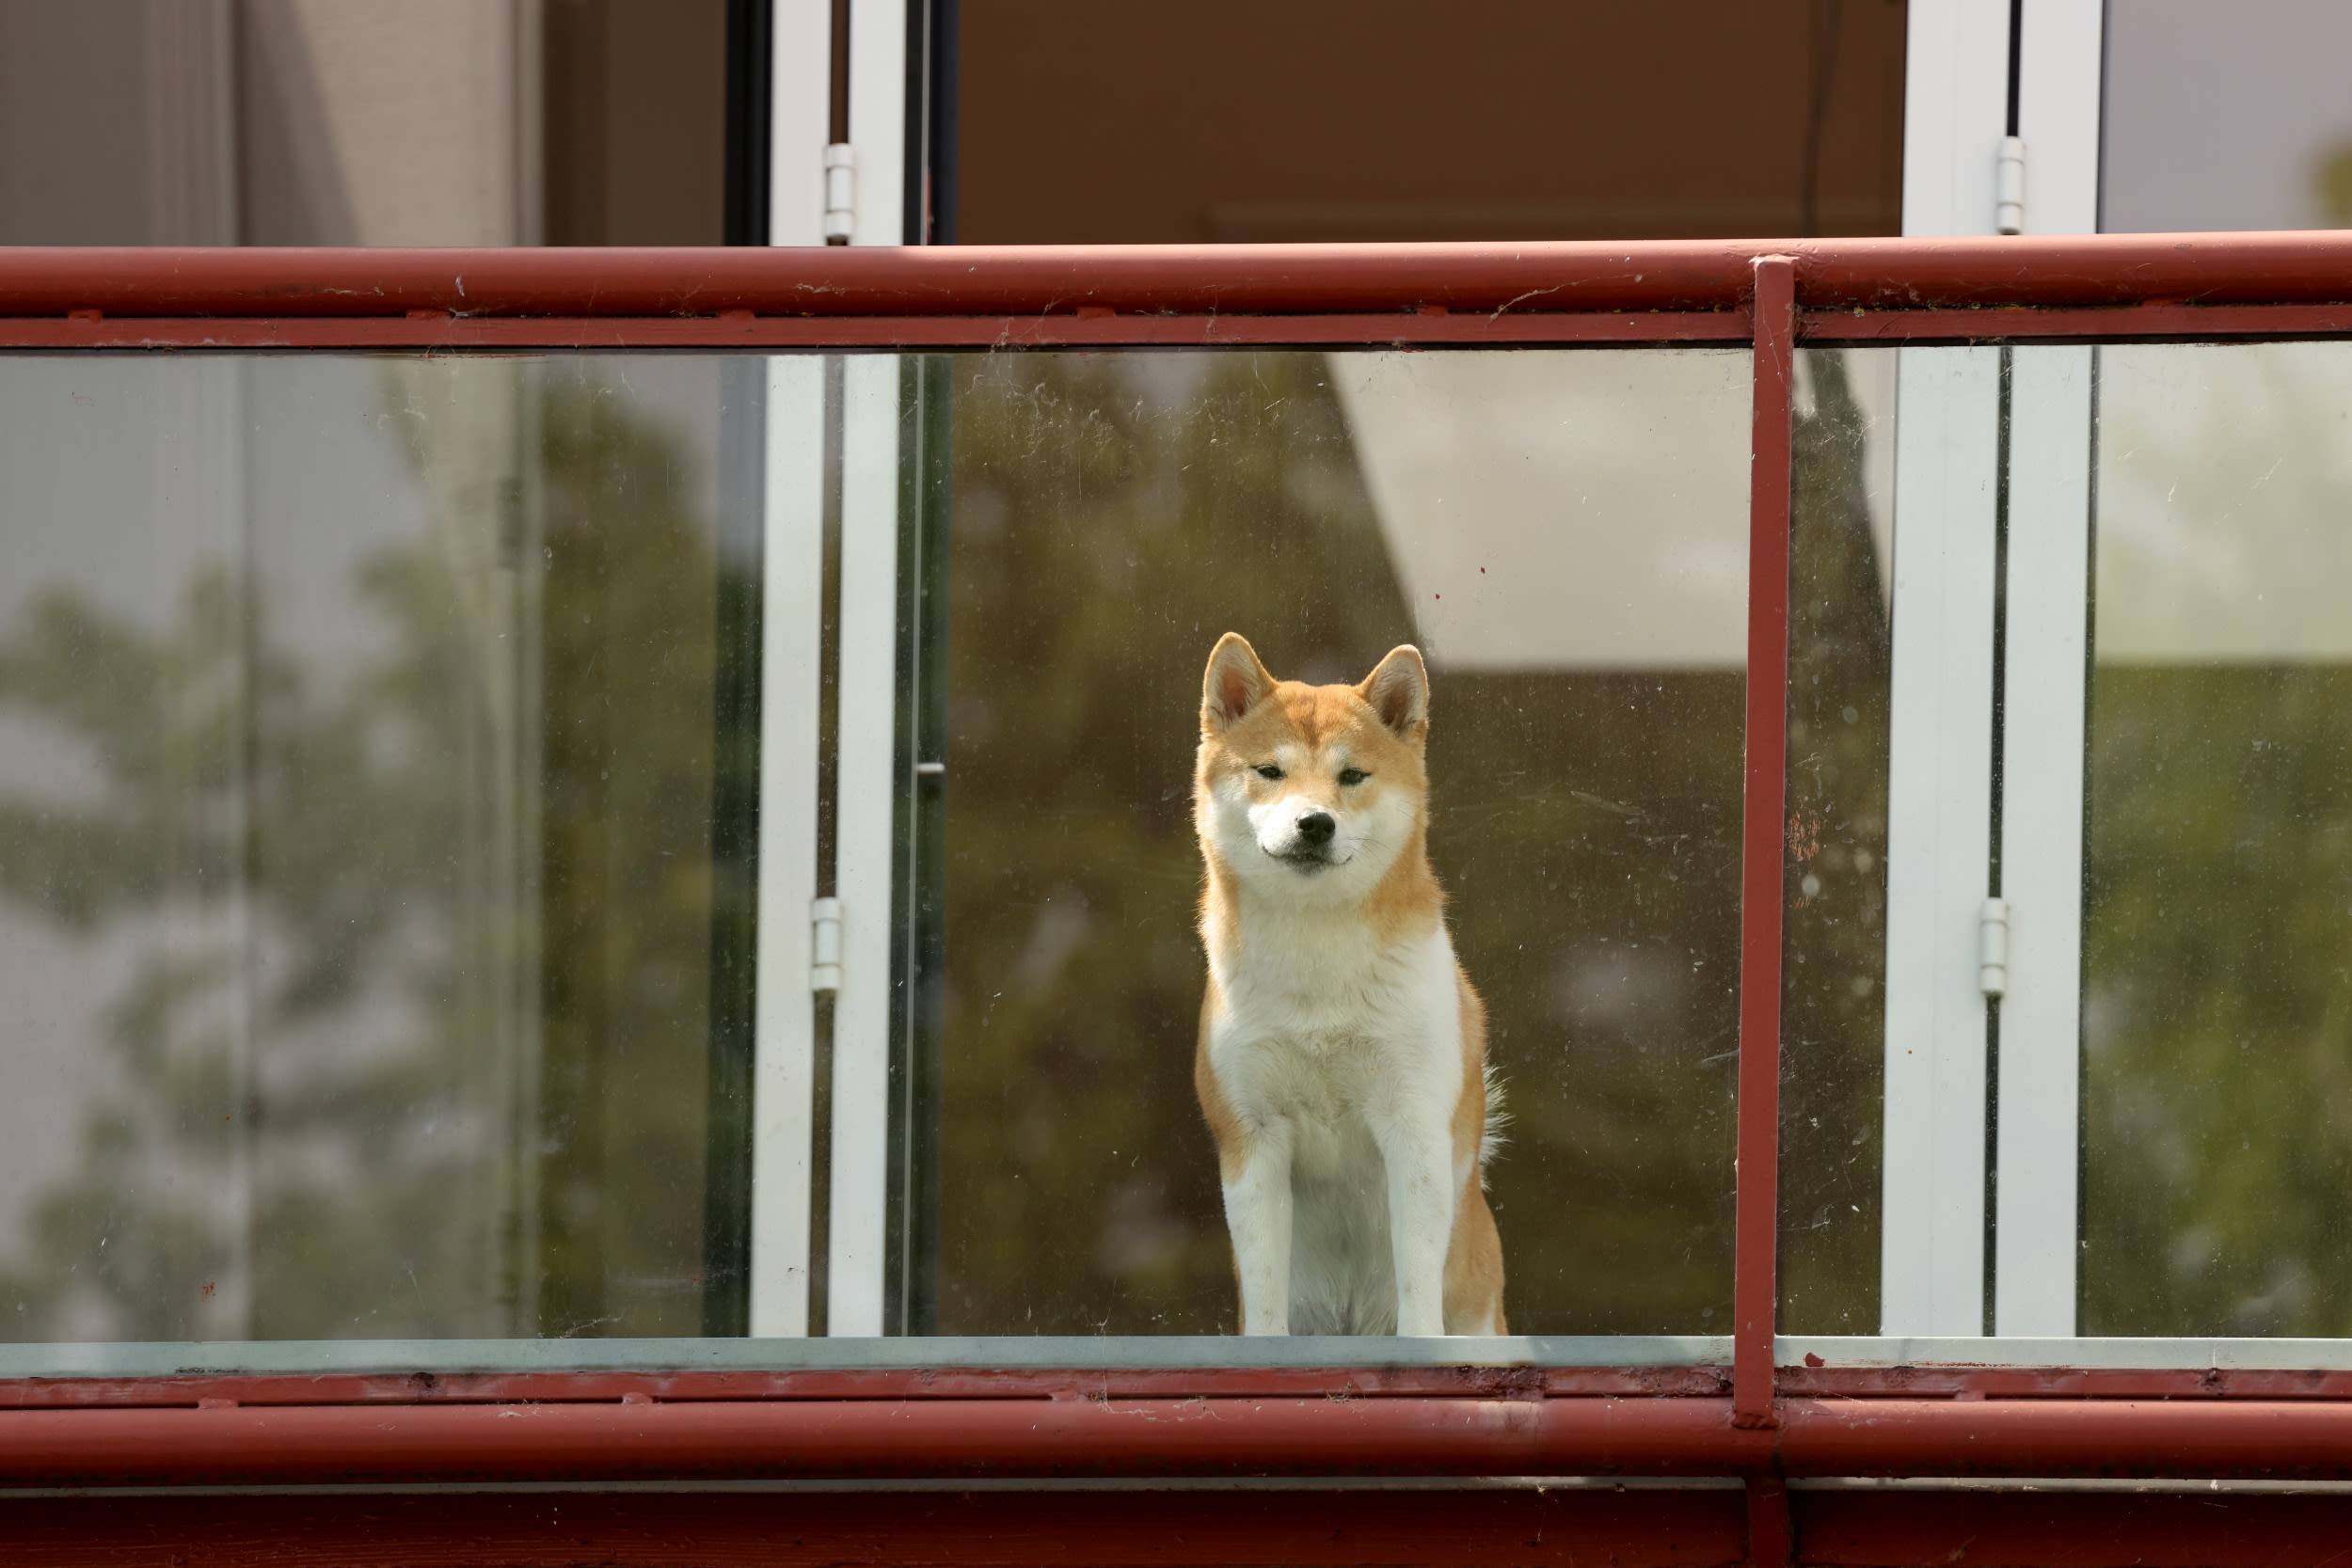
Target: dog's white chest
1336 1060
1319 1034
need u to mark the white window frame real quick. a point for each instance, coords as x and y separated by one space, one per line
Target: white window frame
786 1053
784 1073
1942 763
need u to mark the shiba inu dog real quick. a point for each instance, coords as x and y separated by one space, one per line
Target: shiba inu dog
1342 1056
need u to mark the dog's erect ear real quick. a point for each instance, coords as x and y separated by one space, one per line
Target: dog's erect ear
1235 683
1398 691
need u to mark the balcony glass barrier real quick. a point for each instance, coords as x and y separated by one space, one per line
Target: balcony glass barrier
363 922
2217 1053
1564 534
381 817
2062 1031
1842 551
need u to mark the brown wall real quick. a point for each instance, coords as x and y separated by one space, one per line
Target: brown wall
1406 120
636 118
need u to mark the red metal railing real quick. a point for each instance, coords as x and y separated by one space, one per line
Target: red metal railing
1758 1422
221 1443
1847 291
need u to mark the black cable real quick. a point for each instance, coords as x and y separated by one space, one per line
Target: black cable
2016 54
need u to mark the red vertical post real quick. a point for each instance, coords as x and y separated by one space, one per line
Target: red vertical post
1755 1228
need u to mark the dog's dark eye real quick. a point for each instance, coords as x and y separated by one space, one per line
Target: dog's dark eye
1268 770
1353 775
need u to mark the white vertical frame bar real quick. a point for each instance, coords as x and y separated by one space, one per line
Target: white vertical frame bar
2038 1157
791 637
2042 841
1931 1245
878 119
865 792
800 114
1932 1249
2059 53
864 787
1955 111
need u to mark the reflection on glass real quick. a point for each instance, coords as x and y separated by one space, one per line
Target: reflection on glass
1564 535
1833 1001
376 820
2217 1004
355 846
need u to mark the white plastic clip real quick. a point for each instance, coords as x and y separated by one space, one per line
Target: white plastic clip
825 968
840 193
2009 187
1992 948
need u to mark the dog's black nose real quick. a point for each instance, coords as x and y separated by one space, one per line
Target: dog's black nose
1317 827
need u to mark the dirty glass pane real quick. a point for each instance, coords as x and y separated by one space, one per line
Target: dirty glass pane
2217 1007
379 827
358 922
1564 535
1832 998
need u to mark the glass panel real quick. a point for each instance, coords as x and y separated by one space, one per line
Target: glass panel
356 865
1564 534
2217 1051
1832 998
377 751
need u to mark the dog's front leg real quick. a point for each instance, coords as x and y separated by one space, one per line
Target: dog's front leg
1421 1220
1258 1213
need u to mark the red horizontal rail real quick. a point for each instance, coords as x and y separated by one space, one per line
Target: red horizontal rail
2111 1438
1418 328
740 330
948 332
861 1439
2300 267
1142 1438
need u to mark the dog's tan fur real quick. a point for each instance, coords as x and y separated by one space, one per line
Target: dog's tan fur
1341 1063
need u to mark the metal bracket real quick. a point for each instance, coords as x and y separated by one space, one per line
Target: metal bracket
824 968
2009 186
1992 948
